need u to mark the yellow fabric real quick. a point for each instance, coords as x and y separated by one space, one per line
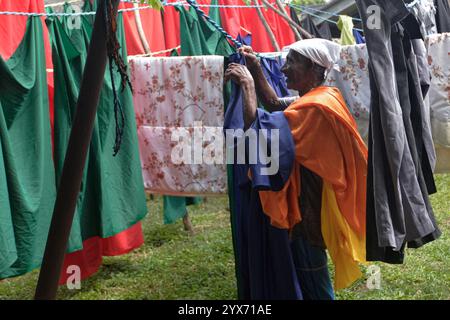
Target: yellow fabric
345 247
327 142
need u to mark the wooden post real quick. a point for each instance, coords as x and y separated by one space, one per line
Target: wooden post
75 160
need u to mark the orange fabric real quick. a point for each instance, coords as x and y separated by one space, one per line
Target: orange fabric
326 142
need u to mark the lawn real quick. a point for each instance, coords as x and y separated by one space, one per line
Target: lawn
175 265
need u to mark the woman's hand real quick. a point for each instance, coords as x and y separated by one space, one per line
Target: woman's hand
251 60
239 74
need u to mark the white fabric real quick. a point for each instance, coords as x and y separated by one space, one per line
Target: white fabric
438 46
353 82
171 94
323 52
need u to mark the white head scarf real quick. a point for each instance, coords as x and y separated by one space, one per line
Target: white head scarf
323 52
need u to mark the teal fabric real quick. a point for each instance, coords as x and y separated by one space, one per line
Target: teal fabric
112 197
27 187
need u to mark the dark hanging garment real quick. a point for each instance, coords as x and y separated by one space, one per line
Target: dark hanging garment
398 207
323 32
442 15
264 256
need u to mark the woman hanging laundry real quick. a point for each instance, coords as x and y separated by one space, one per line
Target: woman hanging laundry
322 201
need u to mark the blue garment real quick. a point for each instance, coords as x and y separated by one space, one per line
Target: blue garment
312 270
358 37
264 258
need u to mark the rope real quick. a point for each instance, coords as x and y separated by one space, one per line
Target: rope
322 18
194 5
155 53
321 11
74 14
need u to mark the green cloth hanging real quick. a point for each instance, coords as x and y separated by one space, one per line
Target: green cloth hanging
198 37
345 25
27 179
112 197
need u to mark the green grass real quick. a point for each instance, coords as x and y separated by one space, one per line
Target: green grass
174 265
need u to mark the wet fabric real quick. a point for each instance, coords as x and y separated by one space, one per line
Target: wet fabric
398 209
264 260
442 15
27 185
328 144
345 25
112 197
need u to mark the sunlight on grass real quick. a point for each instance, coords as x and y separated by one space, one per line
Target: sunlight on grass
175 265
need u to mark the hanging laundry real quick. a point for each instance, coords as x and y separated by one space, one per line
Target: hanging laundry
152 26
425 11
358 37
353 82
398 208
323 31
442 15
12 30
264 263
171 21
345 25
438 47
108 211
198 37
233 19
27 187
173 94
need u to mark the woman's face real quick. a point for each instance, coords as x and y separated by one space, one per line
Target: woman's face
298 71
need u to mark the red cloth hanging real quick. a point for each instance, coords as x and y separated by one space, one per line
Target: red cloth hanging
90 258
235 20
152 25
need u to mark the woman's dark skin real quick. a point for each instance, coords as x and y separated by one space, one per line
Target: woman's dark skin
301 75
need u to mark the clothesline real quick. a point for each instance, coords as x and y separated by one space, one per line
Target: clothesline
156 53
317 16
302 7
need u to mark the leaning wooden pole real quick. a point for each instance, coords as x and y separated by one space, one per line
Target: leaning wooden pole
74 162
